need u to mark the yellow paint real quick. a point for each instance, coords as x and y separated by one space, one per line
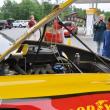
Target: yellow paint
91 11
22 52
26 86
69 42
68 2
25 49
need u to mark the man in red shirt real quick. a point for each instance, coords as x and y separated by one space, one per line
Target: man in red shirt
32 21
36 35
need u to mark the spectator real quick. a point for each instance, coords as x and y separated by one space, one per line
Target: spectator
32 21
36 35
106 44
99 28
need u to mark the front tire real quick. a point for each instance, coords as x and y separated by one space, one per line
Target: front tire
20 26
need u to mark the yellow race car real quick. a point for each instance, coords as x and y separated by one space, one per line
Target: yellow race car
49 76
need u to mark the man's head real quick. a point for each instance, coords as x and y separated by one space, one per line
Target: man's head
32 17
101 17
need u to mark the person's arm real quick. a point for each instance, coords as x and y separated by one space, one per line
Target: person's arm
96 25
35 21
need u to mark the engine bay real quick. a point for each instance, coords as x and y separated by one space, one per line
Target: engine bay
51 59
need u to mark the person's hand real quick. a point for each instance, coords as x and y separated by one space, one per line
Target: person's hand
97 22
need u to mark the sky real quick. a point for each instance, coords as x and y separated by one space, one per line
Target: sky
101 6
104 6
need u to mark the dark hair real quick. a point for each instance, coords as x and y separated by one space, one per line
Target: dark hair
109 19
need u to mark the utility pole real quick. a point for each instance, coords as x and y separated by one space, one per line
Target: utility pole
92 5
57 1
96 4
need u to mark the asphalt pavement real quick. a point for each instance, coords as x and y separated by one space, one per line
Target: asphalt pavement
15 33
88 40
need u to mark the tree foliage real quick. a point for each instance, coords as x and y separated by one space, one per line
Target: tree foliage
21 11
66 12
107 15
46 8
8 9
11 9
80 12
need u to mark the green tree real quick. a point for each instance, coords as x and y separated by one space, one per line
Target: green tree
80 12
8 9
22 10
12 9
46 8
107 15
29 7
1 14
66 12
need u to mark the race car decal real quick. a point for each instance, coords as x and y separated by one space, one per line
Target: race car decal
75 102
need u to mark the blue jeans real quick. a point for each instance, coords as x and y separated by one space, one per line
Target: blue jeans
99 47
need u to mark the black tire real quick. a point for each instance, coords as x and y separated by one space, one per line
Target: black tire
20 26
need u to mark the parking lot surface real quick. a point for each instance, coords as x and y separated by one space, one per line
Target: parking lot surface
15 33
